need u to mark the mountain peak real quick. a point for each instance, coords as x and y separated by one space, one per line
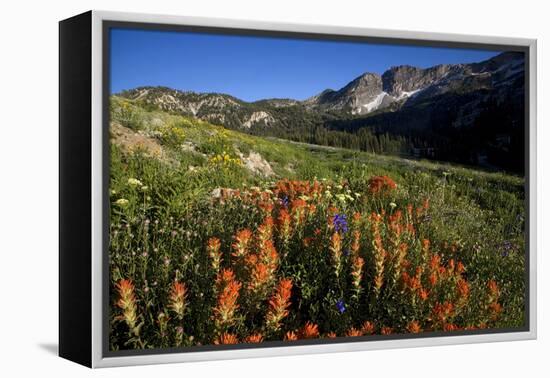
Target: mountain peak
362 90
403 68
399 79
366 79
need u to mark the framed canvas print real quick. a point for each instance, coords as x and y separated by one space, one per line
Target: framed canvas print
235 189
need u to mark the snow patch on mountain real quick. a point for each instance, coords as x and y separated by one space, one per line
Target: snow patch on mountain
374 104
407 94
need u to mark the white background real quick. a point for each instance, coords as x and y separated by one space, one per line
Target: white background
28 185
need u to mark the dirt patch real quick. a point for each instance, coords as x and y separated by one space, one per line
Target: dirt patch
130 142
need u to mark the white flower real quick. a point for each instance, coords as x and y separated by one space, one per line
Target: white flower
341 197
393 205
144 188
134 182
122 202
357 195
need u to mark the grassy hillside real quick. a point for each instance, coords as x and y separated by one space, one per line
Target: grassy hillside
352 240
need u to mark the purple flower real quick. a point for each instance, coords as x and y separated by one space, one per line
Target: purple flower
341 306
284 201
346 252
506 248
340 223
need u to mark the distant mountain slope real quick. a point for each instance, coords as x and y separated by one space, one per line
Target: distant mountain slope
464 112
406 84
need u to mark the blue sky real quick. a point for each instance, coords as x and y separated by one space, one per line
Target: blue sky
254 68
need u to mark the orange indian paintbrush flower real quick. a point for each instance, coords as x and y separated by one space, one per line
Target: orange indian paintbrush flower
381 184
227 305
353 332
356 219
423 294
379 257
224 277
298 212
367 328
213 249
278 305
435 262
493 288
242 242
412 283
378 251
178 296
425 249
255 338
450 327
226 338
265 230
291 336
394 223
309 331
127 303
355 244
442 312
463 288
433 279
263 264
398 260
386 330
414 327
336 252
259 276
266 207
495 308
357 273
284 225
268 255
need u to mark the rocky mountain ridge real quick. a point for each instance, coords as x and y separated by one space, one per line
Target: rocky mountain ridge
397 87
404 84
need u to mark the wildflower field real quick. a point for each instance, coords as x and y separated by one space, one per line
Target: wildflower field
206 248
